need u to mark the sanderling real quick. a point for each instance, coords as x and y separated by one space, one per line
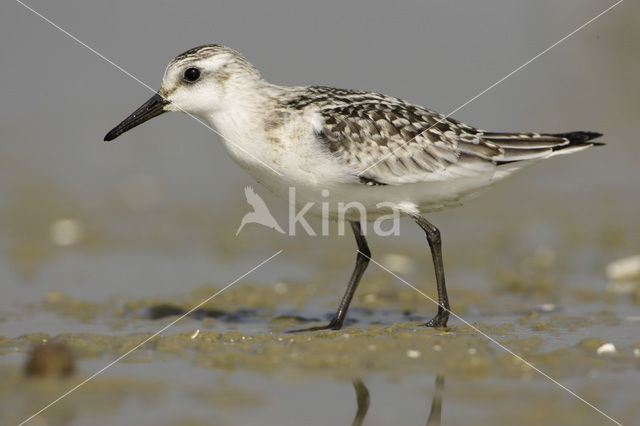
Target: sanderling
339 145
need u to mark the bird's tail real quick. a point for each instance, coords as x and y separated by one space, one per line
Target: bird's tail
533 146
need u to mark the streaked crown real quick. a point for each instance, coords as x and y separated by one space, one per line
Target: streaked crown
207 77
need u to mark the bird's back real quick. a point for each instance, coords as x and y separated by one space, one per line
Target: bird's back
387 141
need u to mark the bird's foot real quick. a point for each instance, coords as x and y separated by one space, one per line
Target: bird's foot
334 324
440 320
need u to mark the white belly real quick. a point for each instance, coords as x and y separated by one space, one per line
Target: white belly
322 195
292 165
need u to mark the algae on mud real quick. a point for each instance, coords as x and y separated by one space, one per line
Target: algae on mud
399 350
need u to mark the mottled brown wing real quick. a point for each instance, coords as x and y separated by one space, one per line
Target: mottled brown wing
394 143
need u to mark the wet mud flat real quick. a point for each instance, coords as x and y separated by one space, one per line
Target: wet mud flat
218 366
102 288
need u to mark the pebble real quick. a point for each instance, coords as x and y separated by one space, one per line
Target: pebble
413 354
607 349
49 359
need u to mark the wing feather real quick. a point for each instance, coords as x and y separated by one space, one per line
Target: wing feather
395 143
387 141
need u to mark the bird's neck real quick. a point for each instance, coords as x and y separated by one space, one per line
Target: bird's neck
241 121
244 108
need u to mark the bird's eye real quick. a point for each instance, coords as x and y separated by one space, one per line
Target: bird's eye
192 74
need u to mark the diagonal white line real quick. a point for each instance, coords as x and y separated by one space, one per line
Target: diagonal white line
76 39
500 345
149 338
493 85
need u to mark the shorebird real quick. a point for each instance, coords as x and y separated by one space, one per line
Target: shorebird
341 146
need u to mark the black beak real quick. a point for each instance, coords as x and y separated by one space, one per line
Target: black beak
152 108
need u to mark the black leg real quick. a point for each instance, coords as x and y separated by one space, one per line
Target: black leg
433 237
362 260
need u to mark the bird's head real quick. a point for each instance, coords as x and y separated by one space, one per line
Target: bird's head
200 81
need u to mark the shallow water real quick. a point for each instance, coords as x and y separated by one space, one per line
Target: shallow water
232 362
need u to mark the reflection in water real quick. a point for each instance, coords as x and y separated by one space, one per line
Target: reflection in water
436 402
362 398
